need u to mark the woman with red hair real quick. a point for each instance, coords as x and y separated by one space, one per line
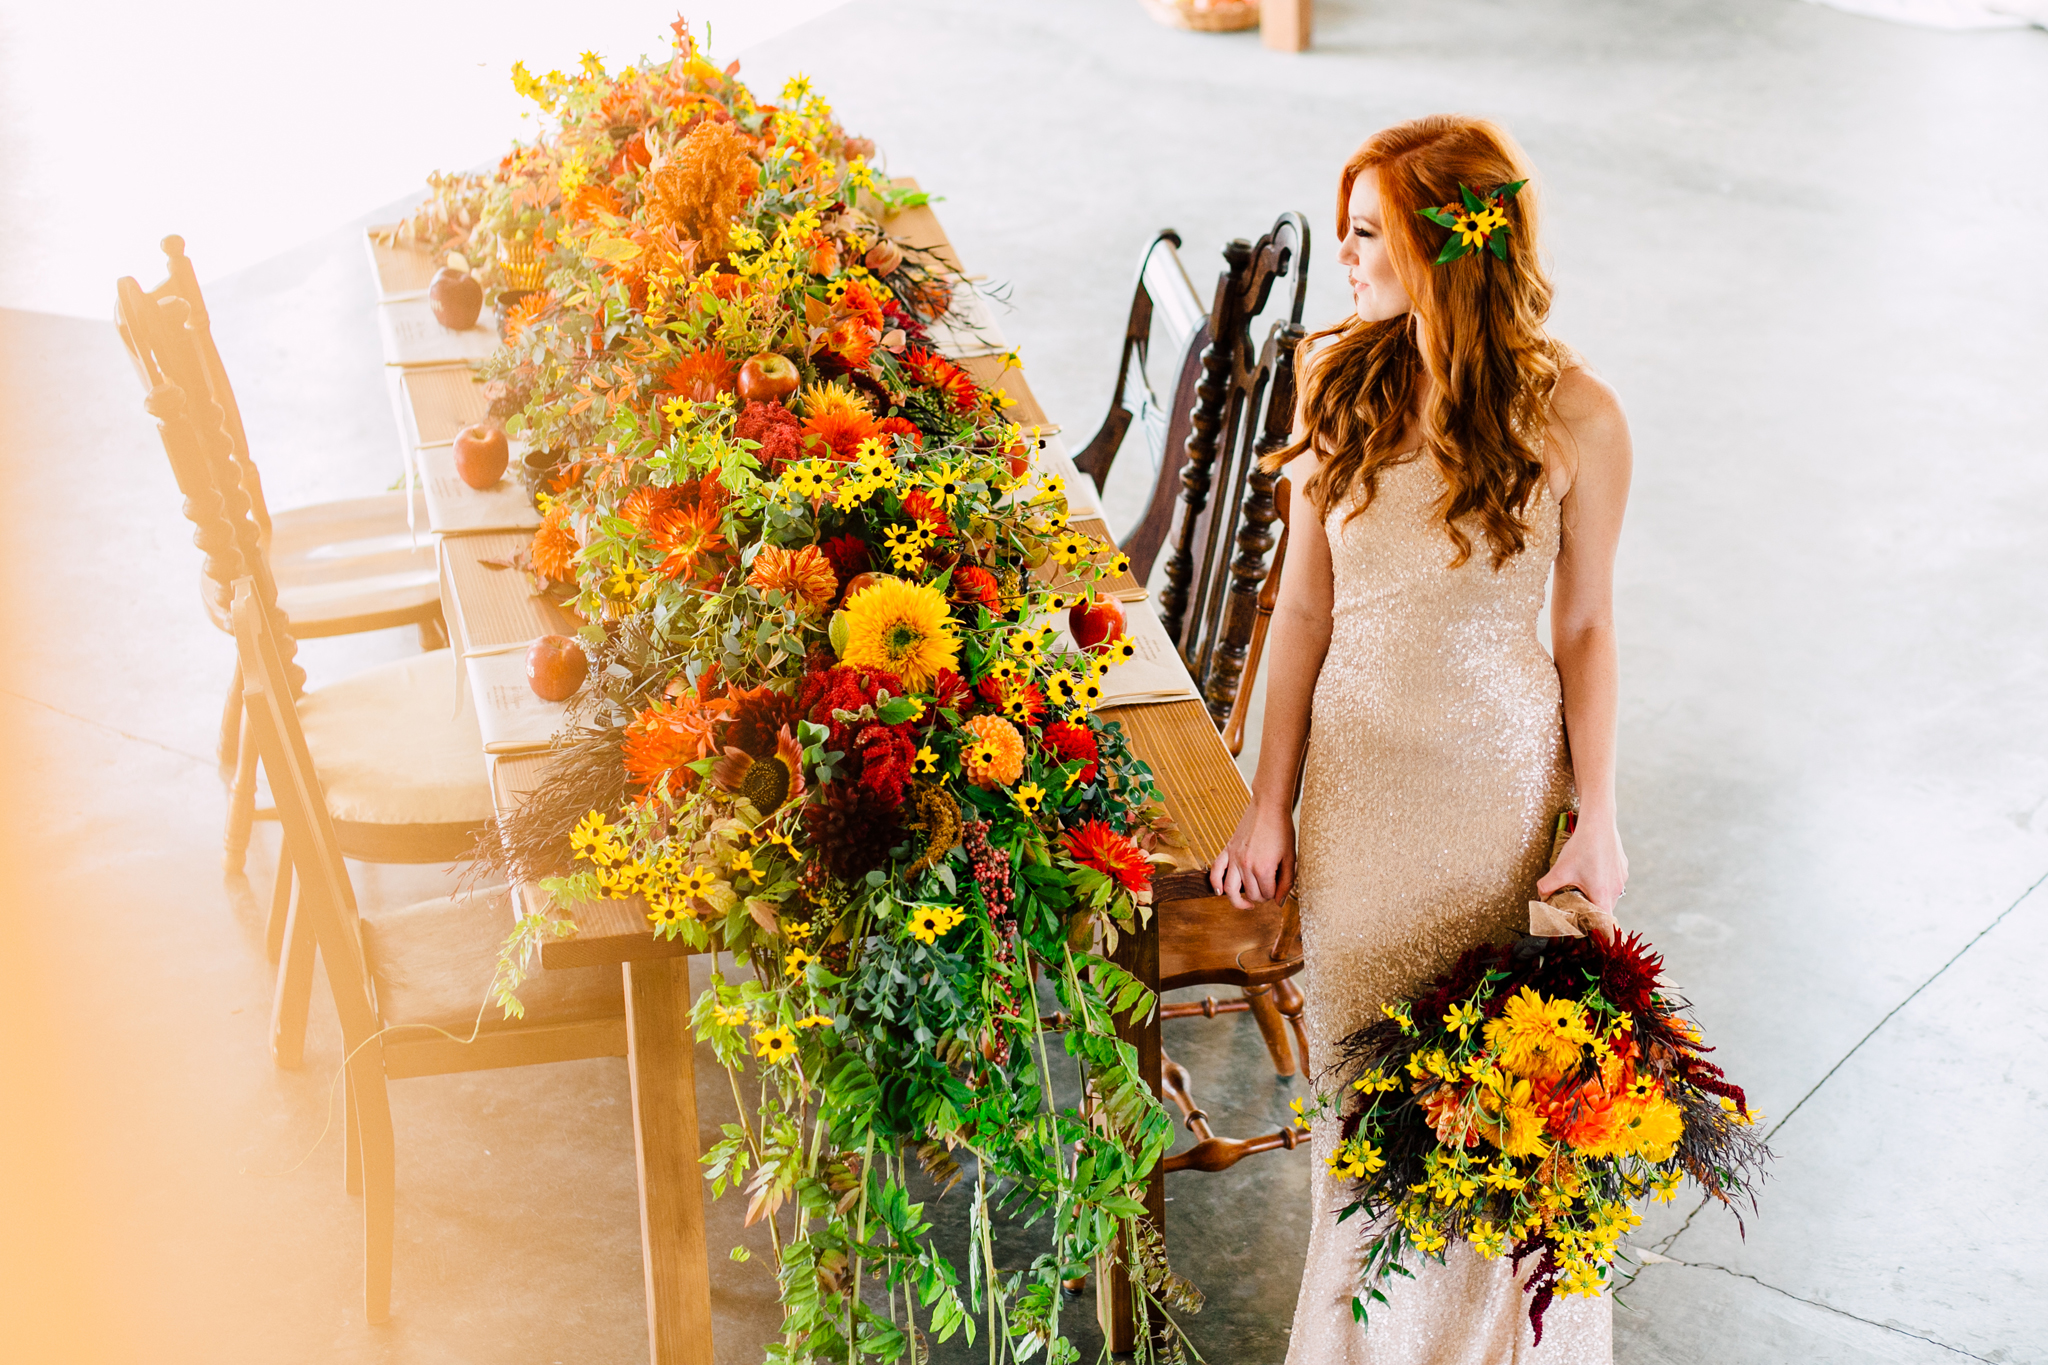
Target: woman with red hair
1458 460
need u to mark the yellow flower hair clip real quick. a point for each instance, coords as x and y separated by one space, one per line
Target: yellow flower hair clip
1476 224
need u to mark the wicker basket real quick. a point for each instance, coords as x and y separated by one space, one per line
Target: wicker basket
1205 16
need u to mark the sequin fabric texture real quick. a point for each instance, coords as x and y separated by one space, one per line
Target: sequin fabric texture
1436 768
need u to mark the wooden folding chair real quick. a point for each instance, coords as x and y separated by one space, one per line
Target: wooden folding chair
341 568
410 984
406 781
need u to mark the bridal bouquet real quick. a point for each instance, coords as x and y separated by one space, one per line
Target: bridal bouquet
1521 1102
829 728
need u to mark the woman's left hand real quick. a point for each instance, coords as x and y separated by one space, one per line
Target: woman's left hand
1593 862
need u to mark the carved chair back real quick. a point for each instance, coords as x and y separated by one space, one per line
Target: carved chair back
182 282
1243 410
195 437
1163 303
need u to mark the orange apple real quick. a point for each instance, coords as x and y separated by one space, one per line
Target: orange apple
1096 622
768 378
457 298
481 455
555 667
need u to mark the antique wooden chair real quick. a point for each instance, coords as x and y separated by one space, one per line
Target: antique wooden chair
341 568
406 781
410 984
1218 595
1164 302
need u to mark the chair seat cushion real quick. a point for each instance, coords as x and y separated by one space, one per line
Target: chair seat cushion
393 746
434 962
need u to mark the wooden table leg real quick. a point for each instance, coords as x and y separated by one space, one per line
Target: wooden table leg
1115 1310
660 1056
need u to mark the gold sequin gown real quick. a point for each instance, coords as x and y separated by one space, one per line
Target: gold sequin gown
1436 769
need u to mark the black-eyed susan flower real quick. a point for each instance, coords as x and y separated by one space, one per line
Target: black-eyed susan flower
946 484
1088 693
1059 688
930 923
1119 565
1030 798
731 1016
774 1045
926 762
1121 650
797 960
814 1021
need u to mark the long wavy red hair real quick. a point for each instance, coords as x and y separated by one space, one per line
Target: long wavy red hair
1480 343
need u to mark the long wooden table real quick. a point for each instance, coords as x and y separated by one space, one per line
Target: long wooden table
489 610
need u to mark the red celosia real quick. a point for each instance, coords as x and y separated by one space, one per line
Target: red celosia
1068 742
776 429
1094 843
886 753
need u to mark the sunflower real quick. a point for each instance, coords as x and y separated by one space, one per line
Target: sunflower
1097 844
901 628
995 756
770 783
803 576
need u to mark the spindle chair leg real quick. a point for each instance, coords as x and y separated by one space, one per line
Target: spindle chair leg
229 750
1272 1028
241 805
294 991
1287 998
280 905
433 635
380 1181
351 1136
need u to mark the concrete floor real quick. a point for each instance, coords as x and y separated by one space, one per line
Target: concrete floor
1804 246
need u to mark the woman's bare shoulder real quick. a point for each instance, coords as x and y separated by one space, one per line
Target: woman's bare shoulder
1588 429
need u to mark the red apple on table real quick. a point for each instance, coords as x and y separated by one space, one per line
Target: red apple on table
768 378
457 298
1096 622
481 455
555 667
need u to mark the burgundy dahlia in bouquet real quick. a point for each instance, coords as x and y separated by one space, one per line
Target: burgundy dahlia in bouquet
1522 1102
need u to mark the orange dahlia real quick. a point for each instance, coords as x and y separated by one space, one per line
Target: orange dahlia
554 547
664 739
525 313
994 757
701 374
933 371
803 575
1096 844
685 536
